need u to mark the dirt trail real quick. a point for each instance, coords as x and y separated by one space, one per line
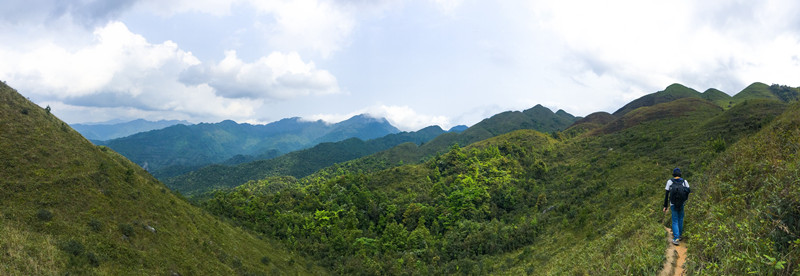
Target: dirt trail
676 257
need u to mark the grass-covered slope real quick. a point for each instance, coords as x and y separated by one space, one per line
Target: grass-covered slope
69 207
673 92
756 90
748 207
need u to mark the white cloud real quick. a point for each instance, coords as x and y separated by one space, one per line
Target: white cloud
448 6
647 45
117 60
402 117
120 71
277 76
317 25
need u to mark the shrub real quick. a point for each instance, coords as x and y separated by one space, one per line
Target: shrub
73 247
44 215
95 225
126 229
93 260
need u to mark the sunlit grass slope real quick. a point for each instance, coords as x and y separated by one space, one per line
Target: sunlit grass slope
69 207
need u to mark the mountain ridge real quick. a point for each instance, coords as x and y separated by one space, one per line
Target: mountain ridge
70 207
208 143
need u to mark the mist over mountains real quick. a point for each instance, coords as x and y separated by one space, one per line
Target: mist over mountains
112 130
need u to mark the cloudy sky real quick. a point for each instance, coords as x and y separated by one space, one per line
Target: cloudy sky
417 63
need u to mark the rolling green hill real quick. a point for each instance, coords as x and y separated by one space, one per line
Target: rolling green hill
528 203
70 207
677 91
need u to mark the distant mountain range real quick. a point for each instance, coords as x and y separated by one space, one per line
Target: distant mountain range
297 164
110 130
188 146
419 144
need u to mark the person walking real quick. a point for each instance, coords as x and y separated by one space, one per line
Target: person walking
677 192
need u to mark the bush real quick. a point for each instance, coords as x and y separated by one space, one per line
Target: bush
73 247
93 259
95 225
44 215
126 229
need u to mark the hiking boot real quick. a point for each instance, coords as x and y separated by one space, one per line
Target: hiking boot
675 242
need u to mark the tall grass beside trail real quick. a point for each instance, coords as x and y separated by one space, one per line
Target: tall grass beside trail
751 203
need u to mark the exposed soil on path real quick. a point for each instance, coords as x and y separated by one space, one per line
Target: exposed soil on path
676 257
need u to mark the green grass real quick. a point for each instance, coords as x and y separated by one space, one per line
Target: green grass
67 206
751 205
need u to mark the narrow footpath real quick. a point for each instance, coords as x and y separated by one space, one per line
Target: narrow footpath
676 257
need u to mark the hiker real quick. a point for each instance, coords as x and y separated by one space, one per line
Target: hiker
675 197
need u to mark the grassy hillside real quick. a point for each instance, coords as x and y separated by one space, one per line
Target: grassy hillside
748 218
519 203
754 91
69 207
673 92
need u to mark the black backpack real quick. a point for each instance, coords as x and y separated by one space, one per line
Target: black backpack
678 193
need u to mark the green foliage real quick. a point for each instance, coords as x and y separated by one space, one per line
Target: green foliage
519 203
126 229
451 207
44 215
752 205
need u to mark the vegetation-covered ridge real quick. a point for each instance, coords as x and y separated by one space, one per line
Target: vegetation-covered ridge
676 91
297 164
407 147
70 207
519 203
